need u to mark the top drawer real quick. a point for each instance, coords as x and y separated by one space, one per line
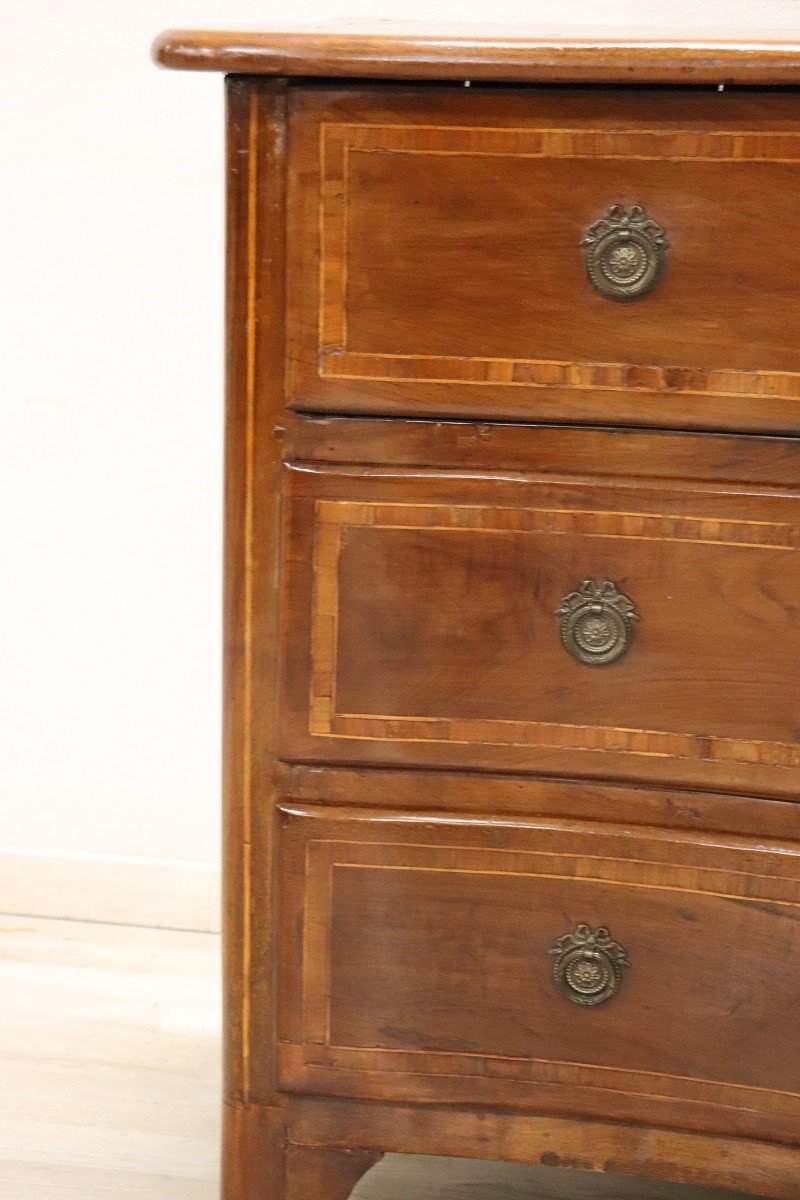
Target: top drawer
437 266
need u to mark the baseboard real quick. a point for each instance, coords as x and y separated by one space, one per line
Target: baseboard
157 893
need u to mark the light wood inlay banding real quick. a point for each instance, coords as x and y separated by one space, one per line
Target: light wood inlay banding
527 866
340 140
335 516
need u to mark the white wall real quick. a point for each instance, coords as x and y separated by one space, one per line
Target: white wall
110 410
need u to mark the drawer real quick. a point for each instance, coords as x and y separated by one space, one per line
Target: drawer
587 968
438 619
439 261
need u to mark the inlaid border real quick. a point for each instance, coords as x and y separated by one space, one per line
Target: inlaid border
333 516
339 140
325 857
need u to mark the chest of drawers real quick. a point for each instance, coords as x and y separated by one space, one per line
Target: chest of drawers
512 728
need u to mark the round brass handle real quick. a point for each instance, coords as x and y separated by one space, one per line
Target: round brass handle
588 965
596 622
625 253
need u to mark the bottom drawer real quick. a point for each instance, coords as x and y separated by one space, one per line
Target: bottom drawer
548 965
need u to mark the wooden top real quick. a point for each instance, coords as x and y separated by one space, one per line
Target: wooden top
489 53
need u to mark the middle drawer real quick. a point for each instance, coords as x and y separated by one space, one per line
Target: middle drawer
644 629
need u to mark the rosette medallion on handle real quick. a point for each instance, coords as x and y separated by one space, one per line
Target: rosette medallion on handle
588 965
596 622
625 253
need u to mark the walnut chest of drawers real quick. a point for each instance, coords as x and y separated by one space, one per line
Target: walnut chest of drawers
512 718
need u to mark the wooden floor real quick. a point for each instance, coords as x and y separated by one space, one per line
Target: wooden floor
109 1071
109 1080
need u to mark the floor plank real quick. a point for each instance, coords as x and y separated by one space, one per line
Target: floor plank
109 1042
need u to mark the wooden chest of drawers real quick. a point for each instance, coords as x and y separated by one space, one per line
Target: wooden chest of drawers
512 729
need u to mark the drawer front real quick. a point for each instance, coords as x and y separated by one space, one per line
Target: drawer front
439 620
439 260
442 961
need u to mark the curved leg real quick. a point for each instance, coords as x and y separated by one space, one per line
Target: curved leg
313 1173
252 1152
258 1165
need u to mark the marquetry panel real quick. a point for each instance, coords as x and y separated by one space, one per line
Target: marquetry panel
341 142
429 616
424 960
450 275
334 516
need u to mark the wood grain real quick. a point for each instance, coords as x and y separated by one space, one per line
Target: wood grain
253 1159
417 933
604 453
396 193
419 620
437 792
313 1172
253 452
765 1170
510 54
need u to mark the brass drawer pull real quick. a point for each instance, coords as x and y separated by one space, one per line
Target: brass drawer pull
588 965
626 253
596 622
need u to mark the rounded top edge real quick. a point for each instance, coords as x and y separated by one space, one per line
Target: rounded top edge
482 53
